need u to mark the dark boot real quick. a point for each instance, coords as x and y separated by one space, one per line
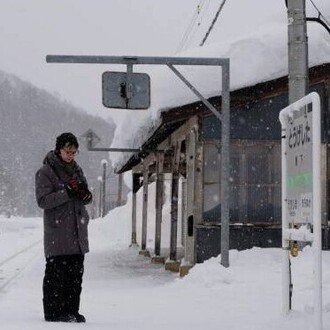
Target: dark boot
79 318
62 288
62 318
53 290
73 287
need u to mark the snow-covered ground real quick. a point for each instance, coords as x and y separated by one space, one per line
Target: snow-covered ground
122 290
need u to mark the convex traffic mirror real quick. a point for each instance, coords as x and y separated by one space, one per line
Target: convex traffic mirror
122 90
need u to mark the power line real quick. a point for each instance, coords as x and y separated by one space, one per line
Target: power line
318 20
202 13
320 14
187 35
204 10
188 30
213 22
321 19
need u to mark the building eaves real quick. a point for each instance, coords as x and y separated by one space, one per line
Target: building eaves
173 118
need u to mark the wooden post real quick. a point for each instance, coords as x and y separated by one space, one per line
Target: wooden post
243 196
172 264
120 189
104 176
135 178
159 208
183 210
189 250
144 250
99 178
194 197
174 216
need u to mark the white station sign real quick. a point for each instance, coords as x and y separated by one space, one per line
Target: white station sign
299 164
301 191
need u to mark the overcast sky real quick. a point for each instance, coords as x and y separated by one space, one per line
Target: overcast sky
31 29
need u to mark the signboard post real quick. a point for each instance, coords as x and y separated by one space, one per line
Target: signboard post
301 191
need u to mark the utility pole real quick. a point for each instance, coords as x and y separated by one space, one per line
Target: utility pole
298 87
297 50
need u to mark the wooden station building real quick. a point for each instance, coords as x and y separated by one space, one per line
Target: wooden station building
187 144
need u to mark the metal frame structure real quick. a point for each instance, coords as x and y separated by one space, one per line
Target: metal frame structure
289 234
224 116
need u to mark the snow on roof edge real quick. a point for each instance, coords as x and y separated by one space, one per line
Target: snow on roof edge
263 52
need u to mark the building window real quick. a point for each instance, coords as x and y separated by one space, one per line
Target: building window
255 182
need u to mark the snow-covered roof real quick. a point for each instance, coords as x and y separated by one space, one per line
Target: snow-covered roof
257 54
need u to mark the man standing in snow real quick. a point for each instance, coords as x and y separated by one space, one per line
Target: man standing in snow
62 192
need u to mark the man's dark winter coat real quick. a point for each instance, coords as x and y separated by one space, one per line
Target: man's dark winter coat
65 218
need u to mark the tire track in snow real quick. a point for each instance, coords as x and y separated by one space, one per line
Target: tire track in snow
19 252
18 270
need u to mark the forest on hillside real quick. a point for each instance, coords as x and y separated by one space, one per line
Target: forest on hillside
31 118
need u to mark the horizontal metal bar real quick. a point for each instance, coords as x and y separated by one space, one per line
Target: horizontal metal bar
123 150
135 60
248 185
114 149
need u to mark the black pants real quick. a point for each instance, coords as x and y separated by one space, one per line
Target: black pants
62 285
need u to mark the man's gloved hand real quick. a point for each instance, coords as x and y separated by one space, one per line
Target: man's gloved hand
72 188
79 190
85 196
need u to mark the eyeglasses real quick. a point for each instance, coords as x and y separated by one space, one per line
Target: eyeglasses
71 152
